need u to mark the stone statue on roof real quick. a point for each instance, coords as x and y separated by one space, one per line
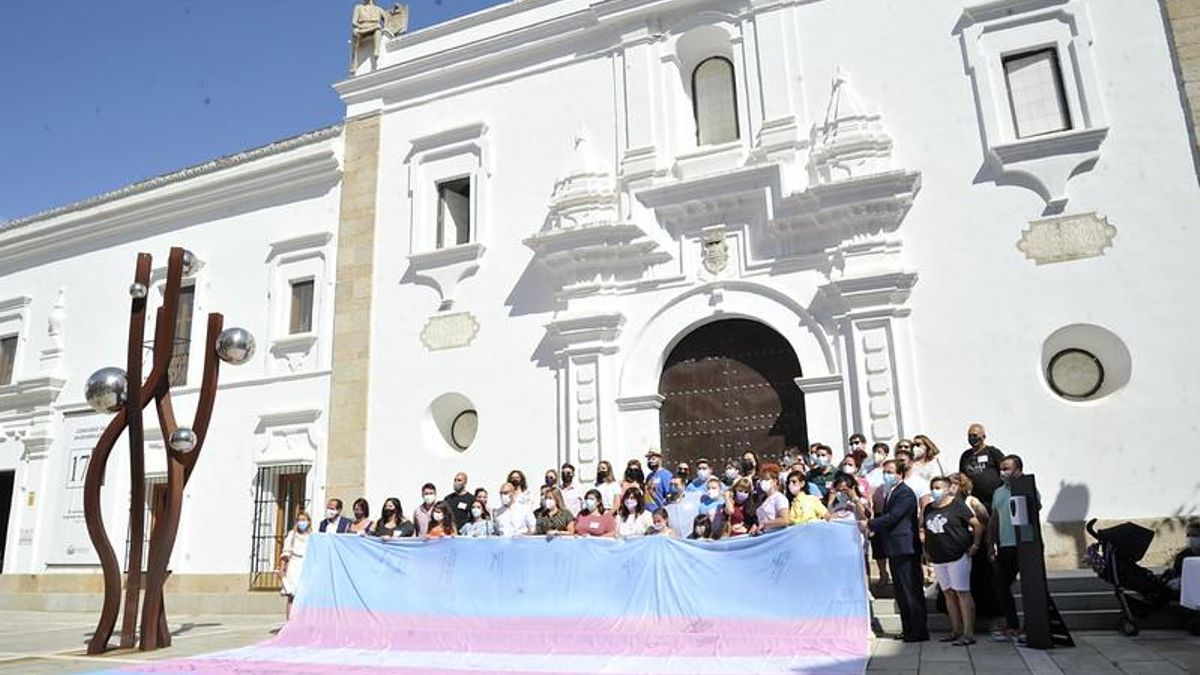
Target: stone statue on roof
370 23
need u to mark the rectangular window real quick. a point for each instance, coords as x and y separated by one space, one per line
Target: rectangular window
177 371
1035 93
302 307
8 358
454 212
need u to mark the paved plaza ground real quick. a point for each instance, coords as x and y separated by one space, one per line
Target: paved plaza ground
33 643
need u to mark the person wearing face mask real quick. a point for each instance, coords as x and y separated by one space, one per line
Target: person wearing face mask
553 519
480 523
1002 547
362 517
634 476
658 483
391 523
593 520
772 512
926 462
849 467
441 522
713 505
951 535
703 473
481 497
459 500
904 467
606 483
856 443
633 520
730 475
874 475
805 507
662 524
749 465
896 529
425 510
846 503
741 504
334 520
572 492
981 463
512 518
702 529
521 491
291 561
982 593
821 475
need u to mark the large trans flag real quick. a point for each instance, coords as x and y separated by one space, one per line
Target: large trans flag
792 602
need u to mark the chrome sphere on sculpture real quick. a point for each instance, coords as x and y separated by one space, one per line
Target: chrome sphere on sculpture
137 290
191 264
182 440
106 390
235 346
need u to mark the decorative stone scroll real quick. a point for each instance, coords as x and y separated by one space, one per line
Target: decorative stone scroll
1063 238
449 331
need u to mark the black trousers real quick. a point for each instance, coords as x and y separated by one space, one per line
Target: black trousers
1007 570
910 595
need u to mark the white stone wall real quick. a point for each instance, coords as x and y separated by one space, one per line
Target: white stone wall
255 224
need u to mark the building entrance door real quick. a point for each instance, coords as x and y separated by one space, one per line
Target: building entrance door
728 387
6 495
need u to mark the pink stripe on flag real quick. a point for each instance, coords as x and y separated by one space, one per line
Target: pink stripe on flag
356 629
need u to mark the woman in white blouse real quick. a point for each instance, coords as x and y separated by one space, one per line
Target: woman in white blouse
633 520
291 561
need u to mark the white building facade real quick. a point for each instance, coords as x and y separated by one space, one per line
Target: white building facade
600 226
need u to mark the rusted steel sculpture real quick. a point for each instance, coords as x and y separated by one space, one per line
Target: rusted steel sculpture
108 391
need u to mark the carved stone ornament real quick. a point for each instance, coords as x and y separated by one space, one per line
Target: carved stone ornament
449 331
1063 238
714 251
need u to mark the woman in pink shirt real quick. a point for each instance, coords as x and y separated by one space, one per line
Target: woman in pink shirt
772 512
592 520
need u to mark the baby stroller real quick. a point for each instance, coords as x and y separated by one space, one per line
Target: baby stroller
1115 557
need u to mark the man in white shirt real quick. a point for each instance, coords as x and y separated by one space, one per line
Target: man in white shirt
512 517
571 491
905 467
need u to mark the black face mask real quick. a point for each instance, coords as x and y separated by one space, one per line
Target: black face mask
635 476
652 463
515 482
973 439
388 513
567 478
602 473
748 468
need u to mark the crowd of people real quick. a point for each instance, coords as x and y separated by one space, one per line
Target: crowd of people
927 519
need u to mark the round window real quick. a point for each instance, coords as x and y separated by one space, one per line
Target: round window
463 428
1075 373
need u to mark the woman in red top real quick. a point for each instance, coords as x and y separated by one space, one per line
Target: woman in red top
740 506
592 520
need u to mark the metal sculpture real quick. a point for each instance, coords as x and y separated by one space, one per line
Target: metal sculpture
124 393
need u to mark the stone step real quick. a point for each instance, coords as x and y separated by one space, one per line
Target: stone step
1079 620
1088 600
185 594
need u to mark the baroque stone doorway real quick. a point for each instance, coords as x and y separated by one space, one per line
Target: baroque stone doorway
728 387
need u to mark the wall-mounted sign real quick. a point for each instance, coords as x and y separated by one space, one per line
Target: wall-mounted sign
1063 238
449 331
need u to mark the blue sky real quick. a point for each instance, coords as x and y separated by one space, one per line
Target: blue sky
97 95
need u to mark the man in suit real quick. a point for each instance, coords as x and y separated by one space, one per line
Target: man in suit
895 529
334 520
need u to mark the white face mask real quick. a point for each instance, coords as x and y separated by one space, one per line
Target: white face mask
703 474
849 468
918 451
548 503
477 512
765 485
590 503
331 513
429 499
631 504
506 499
302 526
714 493
699 531
437 516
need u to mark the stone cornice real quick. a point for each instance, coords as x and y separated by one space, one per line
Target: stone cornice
287 164
34 392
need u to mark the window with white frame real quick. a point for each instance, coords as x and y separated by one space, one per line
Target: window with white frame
454 212
8 358
1036 96
714 101
298 284
177 370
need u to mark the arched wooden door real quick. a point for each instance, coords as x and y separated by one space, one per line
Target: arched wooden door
728 387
